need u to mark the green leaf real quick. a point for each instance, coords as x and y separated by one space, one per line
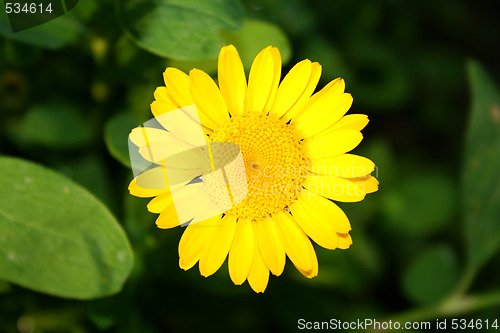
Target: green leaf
180 29
257 35
57 238
116 136
431 275
54 126
55 34
481 174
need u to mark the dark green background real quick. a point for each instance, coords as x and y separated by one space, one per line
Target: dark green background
69 102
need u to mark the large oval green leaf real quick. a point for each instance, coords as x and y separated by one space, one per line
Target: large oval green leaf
55 237
481 176
180 29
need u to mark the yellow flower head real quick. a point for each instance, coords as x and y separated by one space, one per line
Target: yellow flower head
294 148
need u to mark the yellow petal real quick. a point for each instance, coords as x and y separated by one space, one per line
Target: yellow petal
232 80
168 217
345 166
324 210
174 154
242 252
322 232
178 86
177 83
141 192
276 79
338 189
261 81
369 182
208 98
173 180
142 136
194 239
160 203
326 108
291 88
304 99
270 245
202 210
185 124
345 241
297 245
334 87
351 121
159 110
355 122
182 192
164 102
308 274
258 277
216 252
154 179
156 144
332 144
185 195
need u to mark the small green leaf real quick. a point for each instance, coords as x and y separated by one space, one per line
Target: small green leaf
431 275
481 174
257 35
59 32
54 126
180 29
116 136
57 238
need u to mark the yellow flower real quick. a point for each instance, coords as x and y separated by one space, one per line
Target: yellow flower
294 145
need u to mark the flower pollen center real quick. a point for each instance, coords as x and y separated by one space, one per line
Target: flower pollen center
274 162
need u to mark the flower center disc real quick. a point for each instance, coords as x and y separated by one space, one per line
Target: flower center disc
274 162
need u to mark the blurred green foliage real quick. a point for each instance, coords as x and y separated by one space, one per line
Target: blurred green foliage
71 89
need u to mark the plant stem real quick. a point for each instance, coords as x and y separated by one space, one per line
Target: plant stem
452 306
463 284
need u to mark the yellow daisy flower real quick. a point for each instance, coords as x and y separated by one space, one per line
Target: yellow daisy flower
294 145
